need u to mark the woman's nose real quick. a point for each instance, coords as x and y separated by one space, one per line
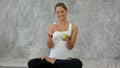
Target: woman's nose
60 14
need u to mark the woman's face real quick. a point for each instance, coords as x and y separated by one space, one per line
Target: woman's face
61 13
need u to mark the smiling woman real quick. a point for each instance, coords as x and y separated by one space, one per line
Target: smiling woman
60 46
61 11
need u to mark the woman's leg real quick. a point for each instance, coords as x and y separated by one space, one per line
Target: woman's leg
72 63
38 63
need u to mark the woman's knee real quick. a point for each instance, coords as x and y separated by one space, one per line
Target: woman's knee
32 62
78 62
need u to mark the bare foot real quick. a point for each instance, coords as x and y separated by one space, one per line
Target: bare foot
51 60
43 57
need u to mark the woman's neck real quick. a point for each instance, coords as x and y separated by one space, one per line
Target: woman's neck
62 22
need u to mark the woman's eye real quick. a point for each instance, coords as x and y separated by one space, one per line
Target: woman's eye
57 12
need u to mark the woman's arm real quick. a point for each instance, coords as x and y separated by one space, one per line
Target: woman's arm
72 39
50 30
49 37
49 42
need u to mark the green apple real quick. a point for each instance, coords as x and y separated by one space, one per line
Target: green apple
64 36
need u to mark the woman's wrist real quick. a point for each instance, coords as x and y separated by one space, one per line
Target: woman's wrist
68 38
50 35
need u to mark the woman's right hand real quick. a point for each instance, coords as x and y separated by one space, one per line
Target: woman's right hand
51 29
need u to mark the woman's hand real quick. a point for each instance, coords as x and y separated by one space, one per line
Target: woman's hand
51 29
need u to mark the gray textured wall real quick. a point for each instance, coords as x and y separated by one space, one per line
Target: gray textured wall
23 27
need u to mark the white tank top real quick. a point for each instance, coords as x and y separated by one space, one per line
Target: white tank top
60 51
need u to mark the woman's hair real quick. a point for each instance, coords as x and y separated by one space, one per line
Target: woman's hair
61 5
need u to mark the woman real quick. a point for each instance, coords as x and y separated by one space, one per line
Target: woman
60 45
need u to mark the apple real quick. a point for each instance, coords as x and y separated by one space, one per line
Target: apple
64 36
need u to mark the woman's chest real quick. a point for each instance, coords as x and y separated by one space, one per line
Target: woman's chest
62 28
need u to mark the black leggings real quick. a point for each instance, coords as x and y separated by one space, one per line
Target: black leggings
38 63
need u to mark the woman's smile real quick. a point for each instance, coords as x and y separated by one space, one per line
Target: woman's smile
61 13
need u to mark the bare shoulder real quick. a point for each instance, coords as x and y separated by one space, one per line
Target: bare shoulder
74 27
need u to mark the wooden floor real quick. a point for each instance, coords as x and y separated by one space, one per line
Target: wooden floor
89 64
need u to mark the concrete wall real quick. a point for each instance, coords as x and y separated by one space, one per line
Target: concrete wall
23 28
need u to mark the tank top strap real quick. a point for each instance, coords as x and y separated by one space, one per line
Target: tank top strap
70 26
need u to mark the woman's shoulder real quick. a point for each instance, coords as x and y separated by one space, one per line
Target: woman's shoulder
74 26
